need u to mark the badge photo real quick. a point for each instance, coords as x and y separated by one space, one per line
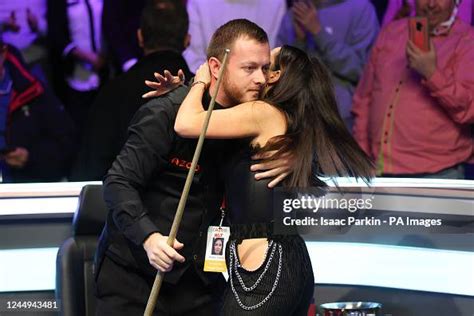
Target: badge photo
217 238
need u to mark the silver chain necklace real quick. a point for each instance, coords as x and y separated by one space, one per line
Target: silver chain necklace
237 273
234 267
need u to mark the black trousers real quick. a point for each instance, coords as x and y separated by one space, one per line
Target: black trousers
123 291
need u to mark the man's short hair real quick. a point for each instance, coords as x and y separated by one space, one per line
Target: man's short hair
226 35
164 25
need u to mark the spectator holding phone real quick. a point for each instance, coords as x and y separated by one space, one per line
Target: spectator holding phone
35 132
413 108
397 9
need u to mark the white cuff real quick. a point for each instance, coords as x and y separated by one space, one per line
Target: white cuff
68 49
128 64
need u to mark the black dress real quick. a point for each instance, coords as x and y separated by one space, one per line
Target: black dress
284 283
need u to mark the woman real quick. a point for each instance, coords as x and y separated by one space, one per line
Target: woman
217 246
271 274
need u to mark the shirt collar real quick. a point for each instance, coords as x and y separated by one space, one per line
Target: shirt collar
444 27
206 100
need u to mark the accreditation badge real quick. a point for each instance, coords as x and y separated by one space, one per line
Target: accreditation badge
217 238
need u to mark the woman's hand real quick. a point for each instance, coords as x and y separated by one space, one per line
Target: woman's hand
203 74
164 84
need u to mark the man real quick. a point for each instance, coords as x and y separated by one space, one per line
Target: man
123 48
36 134
413 108
341 34
163 35
143 187
402 8
77 54
266 13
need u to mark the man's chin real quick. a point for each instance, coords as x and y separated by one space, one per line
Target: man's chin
252 96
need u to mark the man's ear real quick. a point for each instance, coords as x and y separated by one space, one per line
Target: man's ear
274 76
140 38
214 66
187 41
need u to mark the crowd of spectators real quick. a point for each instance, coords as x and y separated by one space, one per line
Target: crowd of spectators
72 74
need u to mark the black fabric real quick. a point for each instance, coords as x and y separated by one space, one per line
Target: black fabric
124 291
90 216
111 113
58 38
250 206
91 25
293 292
380 8
58 26
78 105
47 132
251 230
248 201
143 187
120 22
75 260
38 123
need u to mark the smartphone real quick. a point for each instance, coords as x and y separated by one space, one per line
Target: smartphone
419 35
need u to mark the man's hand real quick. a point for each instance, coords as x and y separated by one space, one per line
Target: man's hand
164 84
306 15
17 158
10 24
423 62
277 169
32 20
97 61
299 30
160 255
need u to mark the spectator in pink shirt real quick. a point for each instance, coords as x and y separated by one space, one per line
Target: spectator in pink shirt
402 8
413 109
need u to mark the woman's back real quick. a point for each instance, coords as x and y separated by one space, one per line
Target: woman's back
249 201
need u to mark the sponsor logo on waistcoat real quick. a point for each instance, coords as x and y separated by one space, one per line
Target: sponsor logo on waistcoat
183 164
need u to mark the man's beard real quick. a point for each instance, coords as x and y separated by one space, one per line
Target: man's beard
234 94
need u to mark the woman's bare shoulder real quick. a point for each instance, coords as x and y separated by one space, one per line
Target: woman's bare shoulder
261 106
268 116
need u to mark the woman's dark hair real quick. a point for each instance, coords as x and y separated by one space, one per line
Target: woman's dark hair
316 135
214 242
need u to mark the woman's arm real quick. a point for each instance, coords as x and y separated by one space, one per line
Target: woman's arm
236 122
243 120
